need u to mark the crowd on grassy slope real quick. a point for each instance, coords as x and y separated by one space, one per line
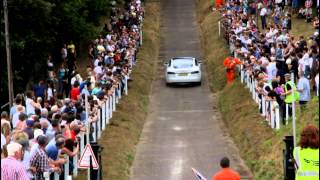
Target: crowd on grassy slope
47 122
269 54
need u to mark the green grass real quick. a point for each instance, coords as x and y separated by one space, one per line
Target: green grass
259 145
122 135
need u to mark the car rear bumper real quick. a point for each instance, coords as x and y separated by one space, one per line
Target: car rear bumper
183 79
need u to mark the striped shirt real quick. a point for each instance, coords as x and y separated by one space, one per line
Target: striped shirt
12 169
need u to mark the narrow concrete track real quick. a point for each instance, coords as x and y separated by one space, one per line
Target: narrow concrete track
184 128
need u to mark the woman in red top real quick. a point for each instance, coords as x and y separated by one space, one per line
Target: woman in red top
75 91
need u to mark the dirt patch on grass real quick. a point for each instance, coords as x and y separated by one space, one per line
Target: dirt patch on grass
259 145
121 136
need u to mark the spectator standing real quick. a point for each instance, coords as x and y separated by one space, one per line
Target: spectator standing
39 89
29 128
306 155
263 14
11 167
18 101
21 124
5 118
289 98
226 173
308 10
15 118
303 88
30 104
64 52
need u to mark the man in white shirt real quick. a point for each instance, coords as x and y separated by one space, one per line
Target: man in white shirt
263 14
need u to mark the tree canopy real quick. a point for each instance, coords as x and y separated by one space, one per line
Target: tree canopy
40 27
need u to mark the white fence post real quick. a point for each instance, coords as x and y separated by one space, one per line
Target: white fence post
110 106
99 123
253 89
242 73
268 112
66 167
81 142
114 100
46 175
119 89
56 176
107 110
263 105
272 114
117 96
126 85
94 134
141 35
103 115
277 117
75 165
287 113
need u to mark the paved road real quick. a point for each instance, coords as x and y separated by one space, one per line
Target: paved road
183 128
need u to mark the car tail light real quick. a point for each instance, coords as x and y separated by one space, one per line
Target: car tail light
194 72
170 73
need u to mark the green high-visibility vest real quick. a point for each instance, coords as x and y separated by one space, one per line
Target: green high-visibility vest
307 160
289 98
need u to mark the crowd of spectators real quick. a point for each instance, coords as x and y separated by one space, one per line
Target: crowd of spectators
44 125
270 53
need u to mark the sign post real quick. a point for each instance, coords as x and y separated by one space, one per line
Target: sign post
293 113
88 130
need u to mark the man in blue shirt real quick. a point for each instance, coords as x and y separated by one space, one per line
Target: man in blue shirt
53 148
303 88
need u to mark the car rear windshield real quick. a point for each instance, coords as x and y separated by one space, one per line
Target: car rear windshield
182 63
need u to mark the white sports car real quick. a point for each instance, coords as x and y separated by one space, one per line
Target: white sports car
183 70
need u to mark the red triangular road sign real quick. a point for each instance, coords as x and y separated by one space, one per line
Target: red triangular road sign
84 161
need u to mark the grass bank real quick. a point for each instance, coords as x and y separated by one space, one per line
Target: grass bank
121 136
259 145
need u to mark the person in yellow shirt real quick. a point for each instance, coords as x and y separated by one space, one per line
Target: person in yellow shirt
306 155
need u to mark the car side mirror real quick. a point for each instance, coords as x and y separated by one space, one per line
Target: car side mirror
166 64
